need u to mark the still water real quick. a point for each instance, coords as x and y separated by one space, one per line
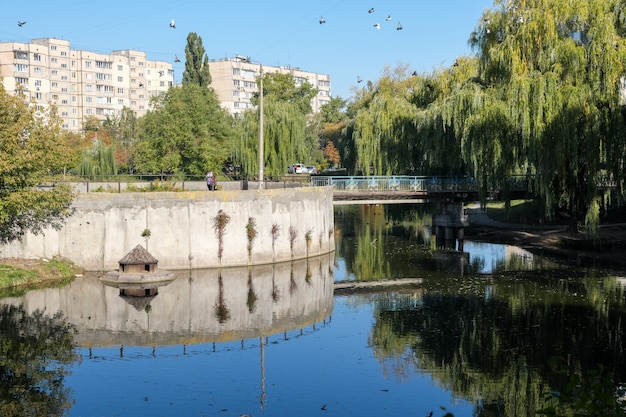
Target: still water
490 331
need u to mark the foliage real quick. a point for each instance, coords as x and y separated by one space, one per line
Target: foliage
34 353
186 132
31 148
282 88
99 161
196 62
333 111
331 154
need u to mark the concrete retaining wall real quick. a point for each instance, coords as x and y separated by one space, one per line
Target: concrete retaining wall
106 226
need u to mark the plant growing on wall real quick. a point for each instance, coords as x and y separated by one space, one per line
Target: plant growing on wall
146 235
251 234
275 232
219 225
308 236
293 234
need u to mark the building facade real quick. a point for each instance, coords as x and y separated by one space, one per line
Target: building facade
81 83
235 81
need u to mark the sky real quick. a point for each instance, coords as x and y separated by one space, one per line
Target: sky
347 46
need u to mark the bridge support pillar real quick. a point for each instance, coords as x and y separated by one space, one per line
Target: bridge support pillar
449 226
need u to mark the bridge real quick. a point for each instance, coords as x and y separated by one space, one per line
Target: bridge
400 189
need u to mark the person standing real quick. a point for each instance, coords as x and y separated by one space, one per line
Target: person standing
210 180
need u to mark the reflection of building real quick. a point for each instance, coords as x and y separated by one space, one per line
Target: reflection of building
235 82
82 83
261 301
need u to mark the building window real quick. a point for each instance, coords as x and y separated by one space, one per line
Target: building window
89 87
21 80
120 91
63 53
53 72
120 79
54 84
64 66
236 83
20 55
88 76
36 57
64 89
235 93
53 60
37 70
63 77
87 64
20 67
104 65
89 111
236 71
162 84
120 101
53 47
120 68
38 96
64 101
37 83
88 99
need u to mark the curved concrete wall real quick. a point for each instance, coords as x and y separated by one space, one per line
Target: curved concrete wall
106 226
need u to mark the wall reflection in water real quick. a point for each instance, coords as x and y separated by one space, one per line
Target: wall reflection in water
198 306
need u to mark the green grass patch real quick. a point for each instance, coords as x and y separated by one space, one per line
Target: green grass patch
20 276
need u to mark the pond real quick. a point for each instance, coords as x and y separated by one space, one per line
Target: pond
490 331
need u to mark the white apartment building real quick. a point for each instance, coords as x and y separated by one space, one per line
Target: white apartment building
82 83
235 81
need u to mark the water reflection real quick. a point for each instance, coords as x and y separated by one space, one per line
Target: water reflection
211 305
36 352
489 323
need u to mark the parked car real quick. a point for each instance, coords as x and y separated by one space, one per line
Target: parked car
296 169
310 169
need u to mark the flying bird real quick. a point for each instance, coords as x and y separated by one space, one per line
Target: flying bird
161 73
20 24
399 26
176 59
388 18
371 10
172 24
358 79
322 20
377 26
414 73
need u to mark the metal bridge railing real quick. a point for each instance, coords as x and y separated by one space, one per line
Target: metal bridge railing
395 183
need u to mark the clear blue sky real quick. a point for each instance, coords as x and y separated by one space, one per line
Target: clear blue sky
280 32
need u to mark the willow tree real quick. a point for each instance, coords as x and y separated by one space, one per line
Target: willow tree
285 132
556 67
382 132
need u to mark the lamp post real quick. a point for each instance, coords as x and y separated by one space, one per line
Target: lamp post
261 139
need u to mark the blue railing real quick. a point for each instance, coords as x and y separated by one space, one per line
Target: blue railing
396 183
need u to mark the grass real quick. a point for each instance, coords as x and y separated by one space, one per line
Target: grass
17 276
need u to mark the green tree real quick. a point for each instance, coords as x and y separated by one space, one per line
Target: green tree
187 132
283 88
196 62
31 148
552 72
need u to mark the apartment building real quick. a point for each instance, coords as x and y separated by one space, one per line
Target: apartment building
235 81
82 83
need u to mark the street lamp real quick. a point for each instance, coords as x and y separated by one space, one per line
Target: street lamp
261 139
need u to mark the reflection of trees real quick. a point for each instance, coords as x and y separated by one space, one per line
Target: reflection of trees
495 350
221 310
34 353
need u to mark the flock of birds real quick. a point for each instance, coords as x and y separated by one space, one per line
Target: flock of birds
322 21
376 25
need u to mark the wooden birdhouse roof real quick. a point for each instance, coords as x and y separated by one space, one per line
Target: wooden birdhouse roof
138 256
